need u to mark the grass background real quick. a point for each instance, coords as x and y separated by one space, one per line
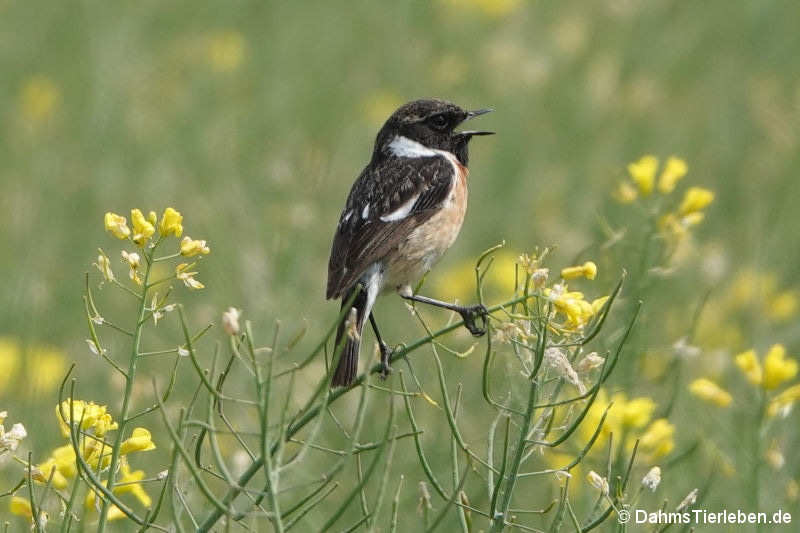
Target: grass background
253 119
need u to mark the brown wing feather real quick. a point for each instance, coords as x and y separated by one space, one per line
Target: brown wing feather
384 187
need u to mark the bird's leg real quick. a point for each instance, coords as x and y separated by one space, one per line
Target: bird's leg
386 352
468 313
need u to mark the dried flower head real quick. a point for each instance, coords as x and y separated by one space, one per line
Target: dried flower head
597 481
652 478
230 321
688 501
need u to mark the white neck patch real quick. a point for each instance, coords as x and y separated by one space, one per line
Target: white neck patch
405 147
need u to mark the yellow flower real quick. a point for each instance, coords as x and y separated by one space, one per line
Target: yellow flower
598 303
658 440
142 229
696 198
643 172
43 471
61 465
92 416
190 248
115 513
587 270
46 367
20 507
784 400
171 223
707 390
117 225
96 454
139 441
152 218
792 490
187 277
571 304
10 357
226 50
748 363
129 482
783 306
492 8
625 193
624 417
777 368
637 412
39 98
674 170
64 459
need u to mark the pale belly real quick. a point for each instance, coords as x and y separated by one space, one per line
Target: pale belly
426 244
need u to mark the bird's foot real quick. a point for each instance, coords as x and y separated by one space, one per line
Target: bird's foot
386 354
471 314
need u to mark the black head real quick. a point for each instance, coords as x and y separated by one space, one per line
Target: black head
432 124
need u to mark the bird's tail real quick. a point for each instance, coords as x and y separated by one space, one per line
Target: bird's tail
350 335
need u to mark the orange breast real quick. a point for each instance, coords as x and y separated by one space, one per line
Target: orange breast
427 243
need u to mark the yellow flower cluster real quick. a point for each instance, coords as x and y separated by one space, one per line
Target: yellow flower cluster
631 420
491 8
22 507
643 178
226 50
751 289
689 212
573 306
89 415
776 370
39 99
144 228
784 400
35 368
129 482
94 422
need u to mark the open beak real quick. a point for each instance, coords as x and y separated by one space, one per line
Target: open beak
479 112
471 115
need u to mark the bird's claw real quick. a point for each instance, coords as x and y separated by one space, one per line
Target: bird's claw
470 314
386 354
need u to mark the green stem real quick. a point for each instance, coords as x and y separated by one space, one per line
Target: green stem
309 413
126 399
757 451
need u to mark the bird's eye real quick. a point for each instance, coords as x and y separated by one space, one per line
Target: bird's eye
439 122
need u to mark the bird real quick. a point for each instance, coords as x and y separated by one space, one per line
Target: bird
403 212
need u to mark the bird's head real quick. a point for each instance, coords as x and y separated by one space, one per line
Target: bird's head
430 124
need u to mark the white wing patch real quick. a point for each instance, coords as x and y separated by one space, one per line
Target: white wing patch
365 212
401 212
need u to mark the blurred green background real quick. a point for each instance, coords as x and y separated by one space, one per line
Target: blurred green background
254 118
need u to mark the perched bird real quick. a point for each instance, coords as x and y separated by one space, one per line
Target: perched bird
403 212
